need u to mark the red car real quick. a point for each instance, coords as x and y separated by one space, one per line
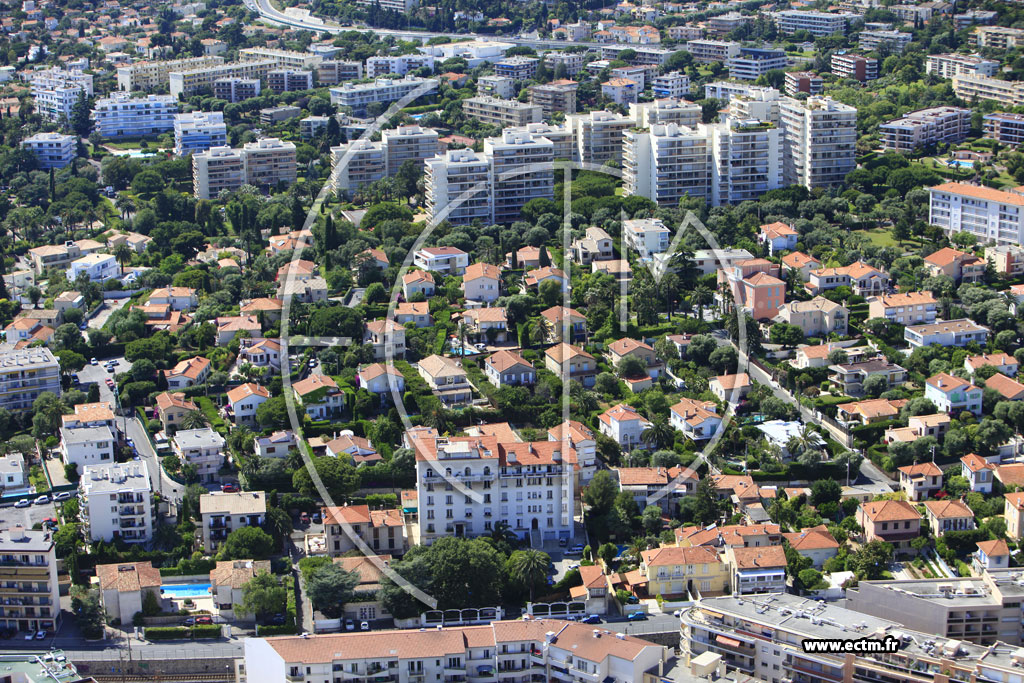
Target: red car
229 488
204 620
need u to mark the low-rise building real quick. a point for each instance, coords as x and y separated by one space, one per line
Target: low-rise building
960 332
684 572
222 513
382 531
952 394
125 587
227 584
446 379
202 448
948 515
818 317
925 128
920 481
904 309
850 377
319 396
895 522
570 362
625 425
757 569
51 150
115 502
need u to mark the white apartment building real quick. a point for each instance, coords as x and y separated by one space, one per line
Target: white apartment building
537 649
198 131
188 82
236 89
83 446
926 127
896 40
97 267
557 96
399 64
849 65
999 37
334 71
674 84
408 143
991 215
289 80
724 90
520 169
56 91
217 169
121 115
475 52
51 150
949 65
501 87
269 162
358 163
504 113
753 62
1005 127
819 141
815 23
528 484
666 163
970 87
457 187
26 373
400 6
31 592
284 59
148 75
573 61
202 448
598 135
757 104
709 51
115 502
222 513
647 236
746 159
358 97
665 110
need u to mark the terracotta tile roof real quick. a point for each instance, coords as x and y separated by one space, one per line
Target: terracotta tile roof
777 229
237 573
555 314
190 368
371 372
991 359
946 256
762 279
626 345
493 314
976 463
946 382
905 299
412 308
314 383
653 476
814 538
1011 474
798 260
1007 388
978 192
593 577
674 555
559 352
693 411
417 276
503 360
890 511
244 391
763 557
947 509
729 382
127 577
921 469
621 413
478 270
996 548
176 400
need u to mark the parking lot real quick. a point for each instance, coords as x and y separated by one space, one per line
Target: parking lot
98 374
27 517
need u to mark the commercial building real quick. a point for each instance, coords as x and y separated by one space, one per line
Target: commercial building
457 187
56 91
815 23
357 97
753 62
949 65
529 484
819 141
971 87
190 81
289 80
25 374
896 41
284 59
51 150
985 212
222 513
1004 127
926 127
198 131
857 67
121 115
115 502
557 96
399 64
533 649
504 113
710 51
149 75
31 596
236 89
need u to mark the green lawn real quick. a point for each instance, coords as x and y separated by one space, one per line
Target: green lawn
881 237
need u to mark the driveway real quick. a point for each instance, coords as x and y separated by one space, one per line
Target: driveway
99 375
108 307
161 483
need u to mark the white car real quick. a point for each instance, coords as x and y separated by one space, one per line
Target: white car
364 626
93 361
350 625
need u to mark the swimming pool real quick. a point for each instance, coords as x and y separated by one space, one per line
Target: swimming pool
181 591
960 163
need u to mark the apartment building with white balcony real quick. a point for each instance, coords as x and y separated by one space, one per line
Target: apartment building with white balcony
269 162
149 75
504 113
236 89
746 159
999 37
222 513
457 187
989 214
666 163
398 64
123 116
97 267
971 87
573 61
190 81
725 90
598 135
501 87
51 150
358 163
557 96
357 97
926 127
408 143
26 373
289 80
710 51
665 110
56 91
334 71
1004 127
849 65
905 308
29 588
199 131
753 62
520 169
535 649
819 138
216 170
896 41
674 84
284 59
115 502
814 22
647 236
465 485
203 448
949 65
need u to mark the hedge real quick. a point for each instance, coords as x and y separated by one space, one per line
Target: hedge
271 630
168 633
200 631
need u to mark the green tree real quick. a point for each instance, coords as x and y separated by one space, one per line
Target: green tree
194 419
608 552
263 594
528 567
871 560
660 433
330 587
651 519
600 494
706 507
247 543
825 491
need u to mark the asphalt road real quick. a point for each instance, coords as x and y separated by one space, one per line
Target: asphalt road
161 483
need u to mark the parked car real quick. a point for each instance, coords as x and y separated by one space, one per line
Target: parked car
204 620
229 488
350 625
304 518
93 361
189 621
30 635
40 635
637 616
23 503
591 619
63 495
364 626
316 518
632 600
42 500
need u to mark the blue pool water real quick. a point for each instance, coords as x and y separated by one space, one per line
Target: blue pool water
959 163
186 590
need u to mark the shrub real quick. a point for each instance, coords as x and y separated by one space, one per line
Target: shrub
167 633
206 631
271 630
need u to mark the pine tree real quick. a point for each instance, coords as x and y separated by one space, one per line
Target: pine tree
543 258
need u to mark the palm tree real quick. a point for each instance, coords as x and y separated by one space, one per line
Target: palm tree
194 419
801 442
529 567
537 333
700 297
123 253
660 433
502 531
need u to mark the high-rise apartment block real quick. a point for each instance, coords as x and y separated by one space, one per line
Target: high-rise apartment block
989 214
504 113
457 187
236 89
198 131
815 23
520 170
598 135
149 75
408 143
819 137
115 502
857 67
666 163
56 91
358 163
121 115
26 373
557 96
51 150
289 80
667 110
190 81
264 163
30 592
